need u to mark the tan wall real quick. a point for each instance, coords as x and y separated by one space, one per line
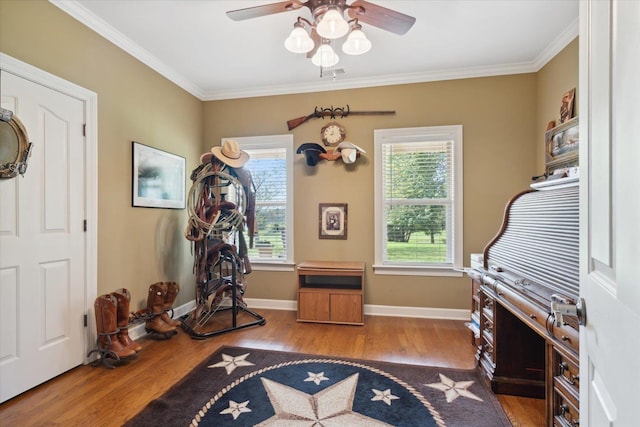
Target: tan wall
554 79
501 116
136 246
498 116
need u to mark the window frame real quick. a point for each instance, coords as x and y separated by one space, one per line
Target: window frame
409 135
273 142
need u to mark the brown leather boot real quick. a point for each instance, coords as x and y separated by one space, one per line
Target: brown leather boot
124 299
155 303
172 289
105 307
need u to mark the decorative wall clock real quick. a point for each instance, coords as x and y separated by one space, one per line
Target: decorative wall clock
333 133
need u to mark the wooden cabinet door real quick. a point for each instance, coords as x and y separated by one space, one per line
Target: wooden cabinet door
313 306
346 308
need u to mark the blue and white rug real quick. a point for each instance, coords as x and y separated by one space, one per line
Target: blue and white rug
245 387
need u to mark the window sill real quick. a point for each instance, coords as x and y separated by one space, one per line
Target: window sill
261 265
405 270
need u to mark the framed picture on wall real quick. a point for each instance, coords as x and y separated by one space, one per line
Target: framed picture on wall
562 141
332 221
566 106
158 178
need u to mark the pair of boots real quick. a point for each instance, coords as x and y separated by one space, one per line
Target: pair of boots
112 320
161 297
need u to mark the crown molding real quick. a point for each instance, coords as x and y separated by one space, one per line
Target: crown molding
86 17
388 80
567 36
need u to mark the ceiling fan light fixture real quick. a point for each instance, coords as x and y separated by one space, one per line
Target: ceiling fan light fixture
299 40
332 25
325 57
357 43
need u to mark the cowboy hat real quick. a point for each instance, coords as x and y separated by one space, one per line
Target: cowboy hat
311 152
349 151
230 154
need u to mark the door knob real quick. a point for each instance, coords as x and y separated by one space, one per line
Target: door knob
561 306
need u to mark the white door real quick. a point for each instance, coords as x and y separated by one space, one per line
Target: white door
42 241
610 212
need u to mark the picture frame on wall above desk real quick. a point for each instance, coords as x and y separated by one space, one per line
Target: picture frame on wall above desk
562 144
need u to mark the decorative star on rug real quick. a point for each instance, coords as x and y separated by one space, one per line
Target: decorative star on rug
235 409
331 406
230 363
316 378
452 390
384 396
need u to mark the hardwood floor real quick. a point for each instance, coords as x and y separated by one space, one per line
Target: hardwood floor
95 396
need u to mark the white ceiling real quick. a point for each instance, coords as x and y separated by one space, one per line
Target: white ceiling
194 44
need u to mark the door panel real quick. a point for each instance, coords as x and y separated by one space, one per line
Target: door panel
610 209
42 241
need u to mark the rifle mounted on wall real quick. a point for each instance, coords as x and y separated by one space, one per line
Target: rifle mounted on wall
341 112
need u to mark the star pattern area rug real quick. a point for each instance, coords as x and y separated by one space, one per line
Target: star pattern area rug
238 386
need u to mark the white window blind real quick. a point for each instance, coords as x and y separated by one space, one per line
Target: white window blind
270 165
418 211
268 170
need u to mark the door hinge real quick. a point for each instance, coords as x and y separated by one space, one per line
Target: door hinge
84 225
86 320
84 130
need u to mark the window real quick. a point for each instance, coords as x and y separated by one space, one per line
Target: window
271 167
418 200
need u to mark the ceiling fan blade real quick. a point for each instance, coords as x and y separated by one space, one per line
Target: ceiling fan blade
381 17
267 9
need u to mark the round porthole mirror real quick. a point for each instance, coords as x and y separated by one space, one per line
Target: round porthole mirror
14 145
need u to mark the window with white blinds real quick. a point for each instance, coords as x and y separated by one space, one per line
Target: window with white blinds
271 168
418 191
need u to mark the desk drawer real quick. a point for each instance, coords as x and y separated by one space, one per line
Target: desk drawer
535 316
566 372
565 412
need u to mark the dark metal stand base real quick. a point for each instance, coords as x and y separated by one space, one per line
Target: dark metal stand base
259 321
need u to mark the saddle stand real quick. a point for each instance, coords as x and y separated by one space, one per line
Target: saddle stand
217 296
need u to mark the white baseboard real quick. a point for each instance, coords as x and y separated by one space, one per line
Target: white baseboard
374 310
272 304
138 331
418 312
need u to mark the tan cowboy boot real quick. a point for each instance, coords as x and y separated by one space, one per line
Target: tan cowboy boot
155 303
105 308
172 289
124 298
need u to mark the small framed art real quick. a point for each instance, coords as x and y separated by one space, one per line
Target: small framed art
158 178
562 144
332 221
566 105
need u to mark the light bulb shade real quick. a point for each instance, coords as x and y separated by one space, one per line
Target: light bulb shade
332 25
357 43
298 41
325 57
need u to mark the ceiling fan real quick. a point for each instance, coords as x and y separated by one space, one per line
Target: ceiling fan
329 23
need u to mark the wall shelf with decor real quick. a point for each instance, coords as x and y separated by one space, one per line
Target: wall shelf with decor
331 292
561 146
